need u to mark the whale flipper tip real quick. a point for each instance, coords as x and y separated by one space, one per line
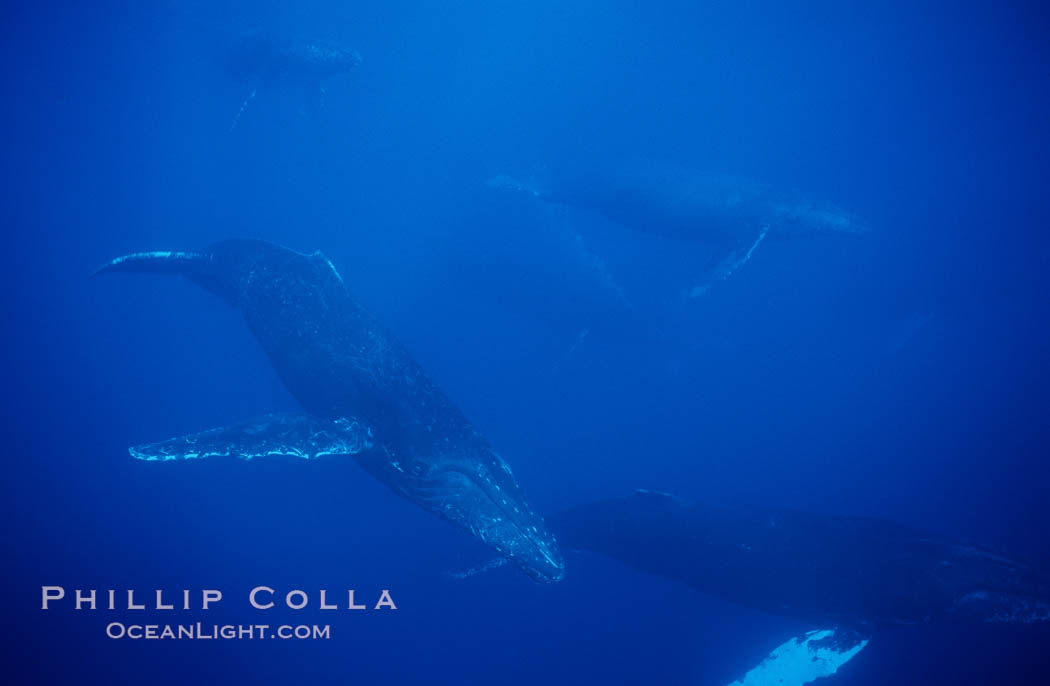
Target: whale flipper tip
161 261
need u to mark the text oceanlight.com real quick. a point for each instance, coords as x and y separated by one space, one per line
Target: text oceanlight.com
200 631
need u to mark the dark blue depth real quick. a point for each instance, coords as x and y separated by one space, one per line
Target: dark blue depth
901 374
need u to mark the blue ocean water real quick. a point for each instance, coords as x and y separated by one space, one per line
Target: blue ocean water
900 374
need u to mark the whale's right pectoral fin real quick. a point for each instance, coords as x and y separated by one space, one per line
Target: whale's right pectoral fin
727 262
806 658
293 434
240 112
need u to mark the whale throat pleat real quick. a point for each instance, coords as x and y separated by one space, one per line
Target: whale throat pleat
292 434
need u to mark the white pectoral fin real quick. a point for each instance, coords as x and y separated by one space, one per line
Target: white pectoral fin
805 658
728 263
293 434
244 105
494 563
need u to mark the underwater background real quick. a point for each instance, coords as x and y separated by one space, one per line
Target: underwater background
901 374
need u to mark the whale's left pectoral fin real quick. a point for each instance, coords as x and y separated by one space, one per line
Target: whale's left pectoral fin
293 434
806 658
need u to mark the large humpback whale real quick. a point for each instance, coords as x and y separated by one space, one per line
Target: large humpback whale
732 214
363 394
262 61
849 575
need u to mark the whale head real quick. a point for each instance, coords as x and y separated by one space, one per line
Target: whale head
325 58
470 485
804 218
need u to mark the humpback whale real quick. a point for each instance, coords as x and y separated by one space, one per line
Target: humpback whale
263 61
851 575
362 393
732 214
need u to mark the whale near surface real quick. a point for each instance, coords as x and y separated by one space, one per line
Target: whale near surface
363 395
264 62
266 59
678 202
732 215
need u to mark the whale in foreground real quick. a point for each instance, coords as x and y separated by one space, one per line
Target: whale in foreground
851 576
362 392
732 214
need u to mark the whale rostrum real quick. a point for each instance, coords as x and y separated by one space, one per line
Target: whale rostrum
363 396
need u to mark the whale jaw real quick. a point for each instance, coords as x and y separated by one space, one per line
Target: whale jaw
472 487
498 515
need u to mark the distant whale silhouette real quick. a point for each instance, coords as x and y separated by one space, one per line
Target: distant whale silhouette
262 61
363 394
851 575
733 214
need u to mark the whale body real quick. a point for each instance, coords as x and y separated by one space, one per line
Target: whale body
264 62
364 396
677 202
849 576
267 59
848 570
731 214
